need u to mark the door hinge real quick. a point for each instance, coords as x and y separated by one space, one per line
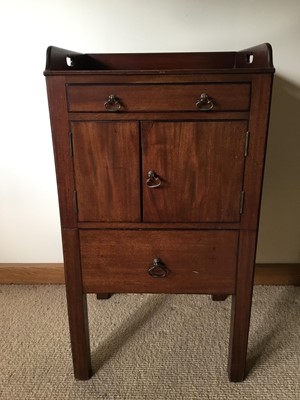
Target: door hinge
71 144
75 202
242 200
246 143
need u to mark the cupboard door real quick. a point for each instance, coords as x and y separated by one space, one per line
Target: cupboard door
106 168
193 171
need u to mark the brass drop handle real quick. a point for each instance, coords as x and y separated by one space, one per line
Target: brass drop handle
112 103
153 180
158 269
204 103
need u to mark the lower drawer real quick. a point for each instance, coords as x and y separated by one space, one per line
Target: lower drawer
158 261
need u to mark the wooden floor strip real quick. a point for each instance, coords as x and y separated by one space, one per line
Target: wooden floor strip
28 274
277 274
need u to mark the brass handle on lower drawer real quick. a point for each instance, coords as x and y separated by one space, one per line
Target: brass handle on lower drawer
204 103
158 269
112 103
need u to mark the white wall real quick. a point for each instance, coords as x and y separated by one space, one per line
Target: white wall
29 221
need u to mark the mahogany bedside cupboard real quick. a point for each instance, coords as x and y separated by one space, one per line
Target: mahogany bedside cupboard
159 162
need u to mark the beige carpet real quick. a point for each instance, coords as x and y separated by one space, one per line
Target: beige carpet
147 346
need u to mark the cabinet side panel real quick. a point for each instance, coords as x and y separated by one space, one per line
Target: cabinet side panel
258 128
63 162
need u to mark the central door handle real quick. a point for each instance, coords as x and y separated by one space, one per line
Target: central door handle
153 180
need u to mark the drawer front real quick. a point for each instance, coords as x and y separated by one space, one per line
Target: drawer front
159 98
159 261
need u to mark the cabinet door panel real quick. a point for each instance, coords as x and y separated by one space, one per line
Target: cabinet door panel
200 166
106 165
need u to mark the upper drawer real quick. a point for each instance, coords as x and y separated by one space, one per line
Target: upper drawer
158 97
